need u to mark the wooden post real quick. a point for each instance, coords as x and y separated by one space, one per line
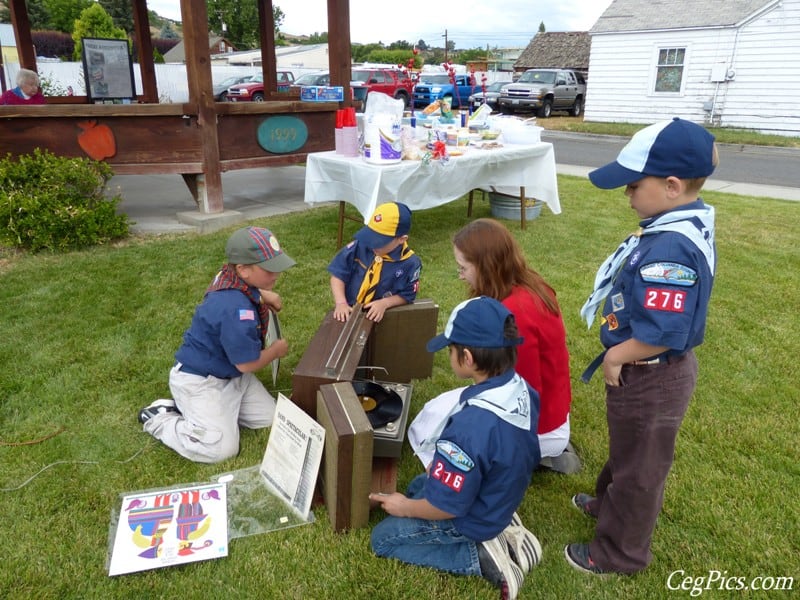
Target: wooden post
198 72
141 29
269 64
339 46
22 33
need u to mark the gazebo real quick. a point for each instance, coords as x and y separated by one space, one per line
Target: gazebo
199 139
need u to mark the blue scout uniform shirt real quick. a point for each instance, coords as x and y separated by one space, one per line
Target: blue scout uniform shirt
487 467
661 294
225 331
397 278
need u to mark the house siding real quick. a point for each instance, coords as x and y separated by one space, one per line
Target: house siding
762 95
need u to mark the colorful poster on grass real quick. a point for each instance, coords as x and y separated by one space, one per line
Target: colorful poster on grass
170 527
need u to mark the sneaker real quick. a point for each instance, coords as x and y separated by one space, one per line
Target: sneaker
567 462
159 407
577 556
584 502
523 547
498 567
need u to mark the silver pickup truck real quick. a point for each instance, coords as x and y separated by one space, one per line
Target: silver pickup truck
544 90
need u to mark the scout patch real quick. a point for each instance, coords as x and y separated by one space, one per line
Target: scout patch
668 273
455 455
617 302
246 315
612 322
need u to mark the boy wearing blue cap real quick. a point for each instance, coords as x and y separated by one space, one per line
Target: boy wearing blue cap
460 516
654 293
377 269
213 382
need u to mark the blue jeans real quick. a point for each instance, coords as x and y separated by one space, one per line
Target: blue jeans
435 544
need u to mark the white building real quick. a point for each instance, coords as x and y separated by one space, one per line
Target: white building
718 62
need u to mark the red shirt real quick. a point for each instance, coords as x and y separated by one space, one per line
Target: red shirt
542 358
15 97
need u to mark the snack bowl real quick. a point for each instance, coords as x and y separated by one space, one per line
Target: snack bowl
490 134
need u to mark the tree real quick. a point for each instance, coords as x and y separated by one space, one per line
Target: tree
38 15
121 12
421 45
240 18
541 27
95 22
168 32
64 13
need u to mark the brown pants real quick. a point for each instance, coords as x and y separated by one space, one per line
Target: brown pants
644 415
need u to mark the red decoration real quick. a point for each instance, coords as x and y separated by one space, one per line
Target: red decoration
97 140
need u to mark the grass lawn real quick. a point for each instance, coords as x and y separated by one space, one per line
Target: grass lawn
89 337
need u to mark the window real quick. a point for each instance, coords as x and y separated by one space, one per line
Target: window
669 72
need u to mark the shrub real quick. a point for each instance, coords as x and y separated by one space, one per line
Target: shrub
57 203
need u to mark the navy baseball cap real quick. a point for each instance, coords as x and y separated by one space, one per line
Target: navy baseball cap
388 221
676 148
478 322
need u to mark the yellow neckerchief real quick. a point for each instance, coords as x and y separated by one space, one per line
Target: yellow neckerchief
373 275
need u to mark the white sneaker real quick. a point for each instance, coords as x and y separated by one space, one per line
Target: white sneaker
498 567
523 547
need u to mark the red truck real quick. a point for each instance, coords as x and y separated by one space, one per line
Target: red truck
392 82
253 90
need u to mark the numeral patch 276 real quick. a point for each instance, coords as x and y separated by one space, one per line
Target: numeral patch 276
661 299
451 479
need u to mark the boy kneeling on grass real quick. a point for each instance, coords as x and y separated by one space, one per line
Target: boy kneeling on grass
460 516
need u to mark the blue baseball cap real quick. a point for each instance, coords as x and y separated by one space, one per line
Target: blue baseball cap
257 246
388 221
676 148
478 322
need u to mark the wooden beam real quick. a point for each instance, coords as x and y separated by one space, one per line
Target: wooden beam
141 30
198 71
22 33
339 46
266 32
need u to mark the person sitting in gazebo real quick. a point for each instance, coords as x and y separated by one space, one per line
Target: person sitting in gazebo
28 90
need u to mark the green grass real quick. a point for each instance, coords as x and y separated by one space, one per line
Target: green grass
89 338
723 135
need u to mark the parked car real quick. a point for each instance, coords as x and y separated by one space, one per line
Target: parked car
321 78
545 90
489 97
253 90
221 88
393 82
439 86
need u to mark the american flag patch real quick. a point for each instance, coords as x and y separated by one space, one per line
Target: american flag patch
246 315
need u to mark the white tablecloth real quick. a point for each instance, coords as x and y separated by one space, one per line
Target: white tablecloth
333 177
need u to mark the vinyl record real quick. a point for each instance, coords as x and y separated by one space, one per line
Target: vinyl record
381 405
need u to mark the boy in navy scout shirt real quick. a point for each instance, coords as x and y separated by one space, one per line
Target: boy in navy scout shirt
213 383
654 293
377 270
460 516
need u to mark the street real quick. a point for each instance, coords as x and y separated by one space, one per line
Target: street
763 165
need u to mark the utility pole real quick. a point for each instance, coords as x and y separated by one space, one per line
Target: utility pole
445 45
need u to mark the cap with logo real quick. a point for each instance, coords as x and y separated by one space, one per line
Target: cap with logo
257 246
388 221
479 323
676 148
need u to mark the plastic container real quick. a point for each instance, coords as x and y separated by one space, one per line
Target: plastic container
522 134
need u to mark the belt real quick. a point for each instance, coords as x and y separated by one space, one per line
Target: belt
595 364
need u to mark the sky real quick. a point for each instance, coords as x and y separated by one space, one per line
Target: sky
468 23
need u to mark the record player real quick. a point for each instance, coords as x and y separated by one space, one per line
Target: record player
386 406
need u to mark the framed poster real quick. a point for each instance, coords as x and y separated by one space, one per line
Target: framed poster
107 69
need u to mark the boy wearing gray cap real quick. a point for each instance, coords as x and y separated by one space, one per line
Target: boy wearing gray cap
213 382
653 292
460 515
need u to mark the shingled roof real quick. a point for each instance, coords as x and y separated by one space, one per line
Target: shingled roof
568 49
642 15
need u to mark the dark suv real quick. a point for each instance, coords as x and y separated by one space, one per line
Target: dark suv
393 82
545 90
